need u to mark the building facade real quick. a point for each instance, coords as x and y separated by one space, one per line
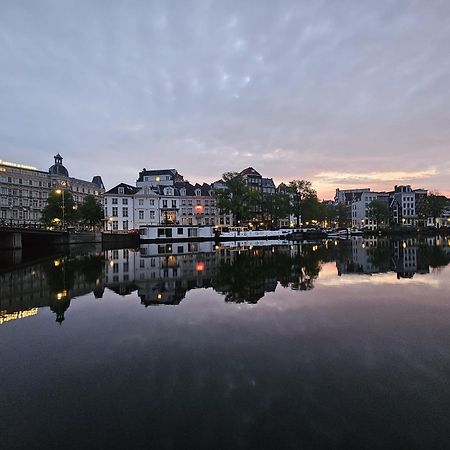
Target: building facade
360 209
24 189
161 197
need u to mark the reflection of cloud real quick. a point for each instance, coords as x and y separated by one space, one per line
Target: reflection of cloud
379 278
383 176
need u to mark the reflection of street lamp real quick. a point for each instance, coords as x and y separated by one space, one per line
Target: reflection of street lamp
110 219
61 192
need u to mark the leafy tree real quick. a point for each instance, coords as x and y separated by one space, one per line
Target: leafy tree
60 209
276 206
236 198
379 212
303 200
434 205
91 212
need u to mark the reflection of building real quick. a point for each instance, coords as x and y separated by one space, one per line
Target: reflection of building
52 283
24 189
405 257
163 273
7 317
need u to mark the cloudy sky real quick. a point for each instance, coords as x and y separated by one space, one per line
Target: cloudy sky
343 93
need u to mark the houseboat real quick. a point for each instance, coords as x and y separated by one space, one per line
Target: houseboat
174 233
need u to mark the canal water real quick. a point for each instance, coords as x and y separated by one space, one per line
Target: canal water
334 344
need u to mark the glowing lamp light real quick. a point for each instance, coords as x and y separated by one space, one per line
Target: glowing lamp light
200 267
56 262
199 209
61 295
159 296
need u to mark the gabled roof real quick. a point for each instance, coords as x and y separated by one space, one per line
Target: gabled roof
250 171
97 180
205 188
128 190
145 173
267 183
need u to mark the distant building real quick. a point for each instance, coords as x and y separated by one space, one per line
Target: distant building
360 209
348 196
407 206
24 189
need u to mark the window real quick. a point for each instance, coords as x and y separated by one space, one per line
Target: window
124 201
125 225
152 214
164 203
141 202
179 230
125 212
174 203
121 190
114 201
115 225
114 211
141 215
152 202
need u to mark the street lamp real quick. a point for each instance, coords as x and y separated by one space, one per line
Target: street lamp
61 192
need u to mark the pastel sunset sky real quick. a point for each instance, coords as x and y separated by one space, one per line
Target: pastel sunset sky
347 93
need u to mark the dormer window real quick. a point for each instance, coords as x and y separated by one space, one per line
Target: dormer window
198 192
121 190
183 191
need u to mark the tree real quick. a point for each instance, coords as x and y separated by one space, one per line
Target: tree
276 206
303 198
379 212
91 212
236 198
60 209
434 205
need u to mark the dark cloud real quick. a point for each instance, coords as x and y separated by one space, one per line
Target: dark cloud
296 89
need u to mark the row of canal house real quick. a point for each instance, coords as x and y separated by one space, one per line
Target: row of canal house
405 206
161 197
164 197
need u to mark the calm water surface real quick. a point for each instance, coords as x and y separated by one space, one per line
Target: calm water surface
322 345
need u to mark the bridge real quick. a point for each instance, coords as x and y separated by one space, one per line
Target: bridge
13 237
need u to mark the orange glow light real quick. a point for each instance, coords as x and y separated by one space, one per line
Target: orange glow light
200 267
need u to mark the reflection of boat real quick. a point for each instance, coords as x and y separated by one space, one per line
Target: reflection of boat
343 232
307 233
255 243
242 233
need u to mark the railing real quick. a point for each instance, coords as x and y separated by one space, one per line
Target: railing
15 223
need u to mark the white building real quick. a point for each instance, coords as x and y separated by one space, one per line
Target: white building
161 197
360 209
406 205
348 196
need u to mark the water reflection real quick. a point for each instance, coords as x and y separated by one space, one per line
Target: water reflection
163 274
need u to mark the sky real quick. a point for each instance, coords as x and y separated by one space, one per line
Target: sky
343 93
